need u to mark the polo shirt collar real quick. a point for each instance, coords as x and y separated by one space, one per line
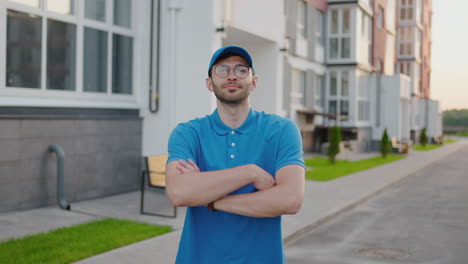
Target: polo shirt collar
223 129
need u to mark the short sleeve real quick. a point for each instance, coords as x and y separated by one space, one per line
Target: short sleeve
290 147
182 144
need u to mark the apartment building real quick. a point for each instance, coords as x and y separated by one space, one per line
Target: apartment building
304 66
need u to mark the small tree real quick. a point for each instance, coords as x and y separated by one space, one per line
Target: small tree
423 137
385 144
334 144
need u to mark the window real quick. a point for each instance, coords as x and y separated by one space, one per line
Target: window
95 60
61 55
60 6
333 84
23 60
302 18
50 61
333 48
338 96
33 3
318 92
334 21
405 68
406 9
405 39
345 21
318 28
380 17
340 34
298 88
95 10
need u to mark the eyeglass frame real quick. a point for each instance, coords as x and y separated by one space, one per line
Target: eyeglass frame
229 70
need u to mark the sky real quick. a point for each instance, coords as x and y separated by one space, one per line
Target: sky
449 80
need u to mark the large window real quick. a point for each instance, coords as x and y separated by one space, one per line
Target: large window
340 34
302 18
298 88
406 9
318 92
405 39
319 28
338 93
83 46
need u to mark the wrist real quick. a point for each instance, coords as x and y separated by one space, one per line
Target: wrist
249 170
211 206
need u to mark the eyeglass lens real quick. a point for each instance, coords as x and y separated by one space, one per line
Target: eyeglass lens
240 71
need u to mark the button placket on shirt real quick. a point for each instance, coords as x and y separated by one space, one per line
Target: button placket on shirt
232 146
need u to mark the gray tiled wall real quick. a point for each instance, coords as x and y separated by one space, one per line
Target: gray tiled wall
102 157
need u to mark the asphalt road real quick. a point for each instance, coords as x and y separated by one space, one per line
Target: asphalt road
424 219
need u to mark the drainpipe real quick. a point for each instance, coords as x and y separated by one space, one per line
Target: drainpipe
154 58
174 7
60 161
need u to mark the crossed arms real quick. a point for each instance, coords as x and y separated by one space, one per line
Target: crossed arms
187 186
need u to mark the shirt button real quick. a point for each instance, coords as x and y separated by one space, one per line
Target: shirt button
233 144
232 156
233 132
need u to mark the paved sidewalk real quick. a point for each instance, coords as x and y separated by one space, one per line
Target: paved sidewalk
323 201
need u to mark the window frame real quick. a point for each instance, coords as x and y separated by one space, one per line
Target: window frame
340 36
41 96
338 98
301 25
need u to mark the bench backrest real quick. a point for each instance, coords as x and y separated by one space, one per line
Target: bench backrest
156 166
394 142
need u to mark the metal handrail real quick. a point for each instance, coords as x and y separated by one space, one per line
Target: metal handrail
60 164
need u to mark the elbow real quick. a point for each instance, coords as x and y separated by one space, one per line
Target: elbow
294 204
175 198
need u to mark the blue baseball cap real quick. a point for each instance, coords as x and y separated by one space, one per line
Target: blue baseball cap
230 50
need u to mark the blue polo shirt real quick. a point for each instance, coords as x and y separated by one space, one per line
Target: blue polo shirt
271 142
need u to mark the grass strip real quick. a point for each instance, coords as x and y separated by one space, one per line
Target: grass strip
462 134
70 244
322 170
426 148
449 141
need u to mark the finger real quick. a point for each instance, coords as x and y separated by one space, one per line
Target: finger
185 165
182 169
193 164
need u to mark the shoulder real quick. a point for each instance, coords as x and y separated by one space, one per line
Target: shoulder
273 121
194 125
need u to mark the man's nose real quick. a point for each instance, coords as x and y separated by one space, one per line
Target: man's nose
232 74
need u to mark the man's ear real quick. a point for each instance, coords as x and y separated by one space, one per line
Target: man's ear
254 82
209 84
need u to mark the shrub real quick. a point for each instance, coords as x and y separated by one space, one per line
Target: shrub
423 137
385 144
334 146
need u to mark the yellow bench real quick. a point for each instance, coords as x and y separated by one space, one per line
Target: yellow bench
155 175
401 147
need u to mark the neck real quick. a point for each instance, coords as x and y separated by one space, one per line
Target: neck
233 115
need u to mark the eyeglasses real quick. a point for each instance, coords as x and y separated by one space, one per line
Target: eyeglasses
240 71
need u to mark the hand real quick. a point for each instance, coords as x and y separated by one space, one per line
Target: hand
185 167
262 179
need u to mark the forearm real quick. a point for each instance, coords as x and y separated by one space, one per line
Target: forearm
272 202
201 188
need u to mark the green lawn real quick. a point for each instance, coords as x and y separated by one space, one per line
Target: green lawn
322 170
427 147
70 244
449 141
462 134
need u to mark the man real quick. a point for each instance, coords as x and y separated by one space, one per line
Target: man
237 170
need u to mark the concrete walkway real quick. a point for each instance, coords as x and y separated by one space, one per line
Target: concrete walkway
323 201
